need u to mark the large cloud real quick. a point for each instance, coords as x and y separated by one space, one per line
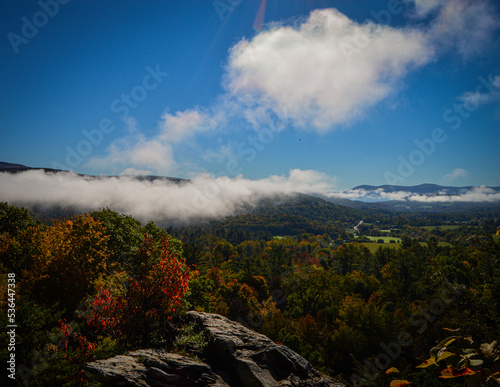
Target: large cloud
320 73
204 197
327 70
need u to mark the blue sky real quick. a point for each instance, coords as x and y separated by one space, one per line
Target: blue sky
364 92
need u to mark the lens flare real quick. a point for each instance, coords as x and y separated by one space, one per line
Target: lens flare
259 19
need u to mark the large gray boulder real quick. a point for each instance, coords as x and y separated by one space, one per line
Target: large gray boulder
234 356
153 367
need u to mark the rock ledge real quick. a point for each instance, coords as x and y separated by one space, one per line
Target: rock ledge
235 356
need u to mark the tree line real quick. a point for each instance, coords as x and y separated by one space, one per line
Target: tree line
101 284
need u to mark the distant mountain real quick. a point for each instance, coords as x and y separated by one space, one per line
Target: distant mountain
15 168
422 189
12 166
314 207
429 190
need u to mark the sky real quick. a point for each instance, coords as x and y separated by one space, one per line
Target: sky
339 93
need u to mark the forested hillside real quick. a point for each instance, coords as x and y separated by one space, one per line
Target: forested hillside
424 309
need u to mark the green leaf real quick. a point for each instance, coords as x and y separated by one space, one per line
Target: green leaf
427 363
475 362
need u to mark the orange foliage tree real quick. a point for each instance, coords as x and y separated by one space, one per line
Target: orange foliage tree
65 260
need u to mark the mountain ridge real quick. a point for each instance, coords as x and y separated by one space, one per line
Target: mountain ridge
423 189
16 168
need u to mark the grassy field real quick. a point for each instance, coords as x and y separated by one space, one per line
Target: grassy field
439 243
374 246
443 228
386 239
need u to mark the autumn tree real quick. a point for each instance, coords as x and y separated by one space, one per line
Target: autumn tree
140 312
66 259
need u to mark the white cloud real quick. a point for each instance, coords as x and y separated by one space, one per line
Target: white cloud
476 194
462 25
327 70
455 174
203 197
424 7
475 98
180 126
376 195
496 81
135 152
322 72
221 154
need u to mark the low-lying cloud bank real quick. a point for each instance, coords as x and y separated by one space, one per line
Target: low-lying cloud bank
204 197
476 194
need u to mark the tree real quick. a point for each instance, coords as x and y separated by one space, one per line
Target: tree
309 291
13 220
66 259
124 233
140 314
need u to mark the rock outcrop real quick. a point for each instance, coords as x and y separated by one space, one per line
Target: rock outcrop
234 356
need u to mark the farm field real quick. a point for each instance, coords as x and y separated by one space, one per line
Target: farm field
443 227
386 239
374 246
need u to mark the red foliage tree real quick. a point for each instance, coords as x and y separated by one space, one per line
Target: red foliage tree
149 299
